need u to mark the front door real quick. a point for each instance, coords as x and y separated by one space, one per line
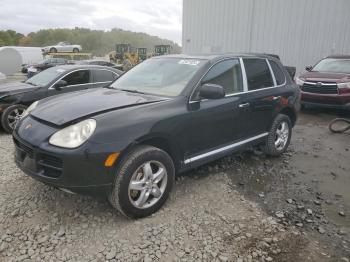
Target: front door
77 80
219 122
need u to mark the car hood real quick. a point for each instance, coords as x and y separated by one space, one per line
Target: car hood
326 77
67 108
15 88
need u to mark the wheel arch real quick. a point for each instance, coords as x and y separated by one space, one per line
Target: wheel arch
164 143
290 113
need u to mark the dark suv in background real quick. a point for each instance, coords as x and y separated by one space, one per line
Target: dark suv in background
327 84
166 115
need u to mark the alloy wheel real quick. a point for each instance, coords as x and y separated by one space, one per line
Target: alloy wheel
14 116
147 184
282 135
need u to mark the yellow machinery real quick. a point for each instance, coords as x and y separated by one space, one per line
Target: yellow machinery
162 50
125 56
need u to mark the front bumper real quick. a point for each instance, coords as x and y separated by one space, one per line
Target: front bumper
78 170
326 100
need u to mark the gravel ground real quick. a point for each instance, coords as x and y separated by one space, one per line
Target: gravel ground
205 219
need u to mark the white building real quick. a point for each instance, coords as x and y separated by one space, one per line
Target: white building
299 31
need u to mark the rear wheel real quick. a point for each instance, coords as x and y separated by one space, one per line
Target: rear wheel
279 136
143 182
11 116
75 50
53 50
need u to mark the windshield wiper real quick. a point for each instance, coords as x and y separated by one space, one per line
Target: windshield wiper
132 91
31 83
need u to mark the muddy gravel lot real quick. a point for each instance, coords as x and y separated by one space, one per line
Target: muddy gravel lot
245 207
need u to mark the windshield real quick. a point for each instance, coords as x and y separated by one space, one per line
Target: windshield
45 77
160 76
333 66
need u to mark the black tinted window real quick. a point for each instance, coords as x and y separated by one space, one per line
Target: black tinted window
103 76
78 77
227 74
277 71
258 73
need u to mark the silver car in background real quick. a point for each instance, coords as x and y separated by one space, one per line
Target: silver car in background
62 47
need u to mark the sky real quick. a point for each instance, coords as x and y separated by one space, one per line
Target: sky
162 18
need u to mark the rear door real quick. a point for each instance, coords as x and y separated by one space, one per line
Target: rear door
219 122
102 77
264 94
76 80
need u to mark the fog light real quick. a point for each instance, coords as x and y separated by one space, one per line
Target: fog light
111 159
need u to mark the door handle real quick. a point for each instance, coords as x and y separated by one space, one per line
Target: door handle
275 98
243 105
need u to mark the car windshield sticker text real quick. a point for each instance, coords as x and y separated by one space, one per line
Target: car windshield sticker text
189 62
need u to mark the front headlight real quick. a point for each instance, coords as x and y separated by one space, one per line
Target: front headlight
75 135
30 109
299 81
344 85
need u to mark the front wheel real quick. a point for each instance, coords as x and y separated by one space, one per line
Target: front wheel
53 50
11 116
279 136
143 182
75 50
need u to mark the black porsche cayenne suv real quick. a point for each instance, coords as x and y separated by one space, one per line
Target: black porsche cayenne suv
166 115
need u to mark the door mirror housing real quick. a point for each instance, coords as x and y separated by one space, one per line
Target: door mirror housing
211 91
308 68
60 84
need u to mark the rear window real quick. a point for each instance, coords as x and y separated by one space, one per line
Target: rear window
277 71
258 73
78 77
103 76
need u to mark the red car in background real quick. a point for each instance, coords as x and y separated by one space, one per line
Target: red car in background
327 84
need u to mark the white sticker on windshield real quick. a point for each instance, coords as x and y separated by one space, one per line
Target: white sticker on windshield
189 62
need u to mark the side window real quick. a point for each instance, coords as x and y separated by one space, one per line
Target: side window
103 76
258 73
228 74
277 71
78 77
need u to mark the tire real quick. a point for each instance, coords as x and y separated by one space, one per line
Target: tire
132 169
281 124
75 50
10 117
53 50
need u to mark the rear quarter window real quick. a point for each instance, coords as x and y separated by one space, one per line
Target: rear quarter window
103 76
277 71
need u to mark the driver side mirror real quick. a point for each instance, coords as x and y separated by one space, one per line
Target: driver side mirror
60 84
211 91
308 68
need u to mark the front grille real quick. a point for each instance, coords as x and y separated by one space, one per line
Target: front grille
51 166
26 149
52 161
320 88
